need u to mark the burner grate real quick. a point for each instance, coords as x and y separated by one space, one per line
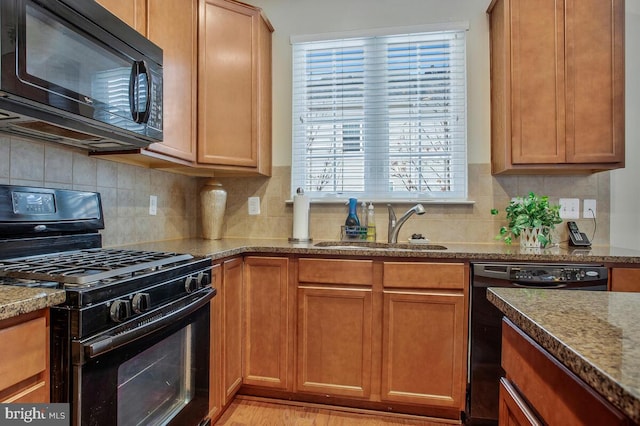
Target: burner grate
85 266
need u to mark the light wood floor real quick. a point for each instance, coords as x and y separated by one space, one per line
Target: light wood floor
245 412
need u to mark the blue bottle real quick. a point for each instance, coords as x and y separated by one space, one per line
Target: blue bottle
352 223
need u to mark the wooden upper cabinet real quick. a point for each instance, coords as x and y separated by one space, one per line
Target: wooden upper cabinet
133 12
172 25
557 85
234 106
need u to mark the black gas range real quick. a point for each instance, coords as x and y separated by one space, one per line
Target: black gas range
134 323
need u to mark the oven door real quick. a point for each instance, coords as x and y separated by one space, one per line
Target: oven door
157 373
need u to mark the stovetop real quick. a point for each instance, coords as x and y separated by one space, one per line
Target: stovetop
88 268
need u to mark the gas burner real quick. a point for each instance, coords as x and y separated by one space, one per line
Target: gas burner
84 267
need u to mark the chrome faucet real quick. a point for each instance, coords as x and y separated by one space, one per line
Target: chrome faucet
395 225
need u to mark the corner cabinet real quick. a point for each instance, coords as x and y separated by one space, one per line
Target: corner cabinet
234 88
217 86
268 340
557 85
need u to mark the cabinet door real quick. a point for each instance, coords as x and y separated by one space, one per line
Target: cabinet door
172 25
133 12
537 81
594 81
625 279
267 333
557 85
234 110
334 341
232 327
24 358
424 348
216 347
514 411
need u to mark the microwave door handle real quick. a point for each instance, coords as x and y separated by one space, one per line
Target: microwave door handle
143 117
133 98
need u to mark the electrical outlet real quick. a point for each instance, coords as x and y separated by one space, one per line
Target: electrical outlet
589 209
254 206
153 205
570 208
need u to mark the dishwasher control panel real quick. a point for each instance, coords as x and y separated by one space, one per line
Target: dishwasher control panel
555 273
536 274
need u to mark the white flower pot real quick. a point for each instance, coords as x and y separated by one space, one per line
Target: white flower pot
529 238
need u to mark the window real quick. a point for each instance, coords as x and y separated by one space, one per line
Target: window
381 117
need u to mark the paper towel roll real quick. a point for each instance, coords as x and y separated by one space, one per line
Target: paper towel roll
300 217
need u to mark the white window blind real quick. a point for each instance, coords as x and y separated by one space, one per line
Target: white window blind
381 118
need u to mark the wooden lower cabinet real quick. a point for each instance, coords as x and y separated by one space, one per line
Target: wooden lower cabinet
268 345
424 342
216 401
625 279
334 341
362 333
335 322
514 410
423 349
232 316
24 358
544 386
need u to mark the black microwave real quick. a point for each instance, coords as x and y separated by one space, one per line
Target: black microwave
72 72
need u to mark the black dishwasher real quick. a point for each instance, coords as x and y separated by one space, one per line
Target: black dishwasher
485 322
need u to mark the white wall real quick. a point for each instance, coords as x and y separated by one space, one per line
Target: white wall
296 17
625 191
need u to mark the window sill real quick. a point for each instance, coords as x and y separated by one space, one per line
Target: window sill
389 201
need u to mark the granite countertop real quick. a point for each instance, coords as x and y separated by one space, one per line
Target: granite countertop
21 300
218 249
594 334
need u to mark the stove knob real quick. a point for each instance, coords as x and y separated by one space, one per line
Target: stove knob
203 280
191 284
120 310
141 302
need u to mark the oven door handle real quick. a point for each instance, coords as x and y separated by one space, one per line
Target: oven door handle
169 314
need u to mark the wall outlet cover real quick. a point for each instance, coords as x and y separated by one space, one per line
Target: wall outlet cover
153 205
254 206
589 209
570 208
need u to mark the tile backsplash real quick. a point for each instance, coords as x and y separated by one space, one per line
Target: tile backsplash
125 191
470 223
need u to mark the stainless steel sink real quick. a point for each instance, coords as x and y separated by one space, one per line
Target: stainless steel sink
370 245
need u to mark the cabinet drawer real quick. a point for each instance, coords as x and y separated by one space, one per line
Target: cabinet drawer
335 271
24 351
37 392
424 275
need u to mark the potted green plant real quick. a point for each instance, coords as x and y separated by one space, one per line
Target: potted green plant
531 218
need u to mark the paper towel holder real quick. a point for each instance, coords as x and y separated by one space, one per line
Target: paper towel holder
300 192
